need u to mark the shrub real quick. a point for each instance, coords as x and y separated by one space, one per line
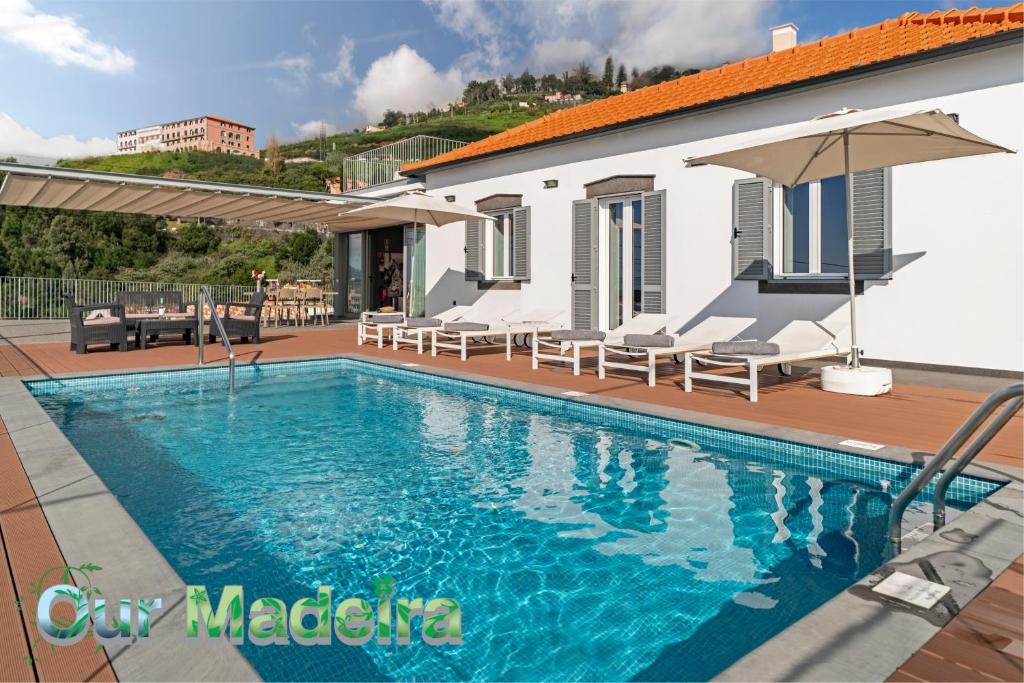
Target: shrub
196 240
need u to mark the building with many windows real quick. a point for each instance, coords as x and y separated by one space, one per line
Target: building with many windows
205 133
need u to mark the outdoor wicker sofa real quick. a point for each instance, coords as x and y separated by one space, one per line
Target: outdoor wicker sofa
106 325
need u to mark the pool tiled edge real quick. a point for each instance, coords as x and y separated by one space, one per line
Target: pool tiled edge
90 525
852 637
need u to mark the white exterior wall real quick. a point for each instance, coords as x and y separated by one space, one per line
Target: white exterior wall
957 294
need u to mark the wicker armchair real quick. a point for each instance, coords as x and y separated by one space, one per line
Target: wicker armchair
246 325
110 328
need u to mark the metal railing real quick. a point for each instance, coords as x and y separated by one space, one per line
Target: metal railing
204 296
1012 393
40 298
381 165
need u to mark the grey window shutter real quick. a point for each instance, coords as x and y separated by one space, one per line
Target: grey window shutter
584 264
474 250
521 243
652 281
752 229
872 225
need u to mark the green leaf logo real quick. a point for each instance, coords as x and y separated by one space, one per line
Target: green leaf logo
384 587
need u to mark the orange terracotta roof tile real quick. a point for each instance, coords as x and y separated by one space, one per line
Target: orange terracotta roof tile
910 34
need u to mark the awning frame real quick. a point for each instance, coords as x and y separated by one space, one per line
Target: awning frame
72 189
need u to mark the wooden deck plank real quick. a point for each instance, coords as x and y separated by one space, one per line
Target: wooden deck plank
982 643
13 639
31 550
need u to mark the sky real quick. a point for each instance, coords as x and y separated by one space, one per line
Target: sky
73 73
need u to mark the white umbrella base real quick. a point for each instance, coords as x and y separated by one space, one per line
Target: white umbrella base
862 381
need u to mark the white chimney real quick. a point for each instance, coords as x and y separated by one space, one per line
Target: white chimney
783 37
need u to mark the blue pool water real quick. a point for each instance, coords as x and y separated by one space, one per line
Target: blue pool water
582 543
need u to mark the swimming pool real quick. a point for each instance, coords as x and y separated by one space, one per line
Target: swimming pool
581 542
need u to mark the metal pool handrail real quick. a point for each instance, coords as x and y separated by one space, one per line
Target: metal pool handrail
966 430
204 293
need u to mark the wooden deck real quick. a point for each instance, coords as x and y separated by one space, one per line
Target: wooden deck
982 643
29 550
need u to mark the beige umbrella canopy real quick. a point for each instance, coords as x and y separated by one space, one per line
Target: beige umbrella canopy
414 207
846 142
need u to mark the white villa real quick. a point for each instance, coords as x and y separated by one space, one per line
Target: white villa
599 216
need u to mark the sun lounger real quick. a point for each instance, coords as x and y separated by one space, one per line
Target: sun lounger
416 330
798 341
501 327
698 338
374 325
576 340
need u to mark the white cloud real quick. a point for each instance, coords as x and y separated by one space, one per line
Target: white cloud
18 140
405 81
561 54
480 23
552 36
468 18
292 72
59 38
343 72
311 129
698 33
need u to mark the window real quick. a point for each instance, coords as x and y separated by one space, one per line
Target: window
498 250
813 239
501 246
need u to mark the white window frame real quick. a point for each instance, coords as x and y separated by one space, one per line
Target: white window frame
814 241
489 274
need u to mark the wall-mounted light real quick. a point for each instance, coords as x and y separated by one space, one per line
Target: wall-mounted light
548 184
449 198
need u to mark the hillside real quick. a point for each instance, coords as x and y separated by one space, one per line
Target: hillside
466 126
52 243
207 166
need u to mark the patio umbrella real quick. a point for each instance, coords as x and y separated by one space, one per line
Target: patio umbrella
846 142
415 207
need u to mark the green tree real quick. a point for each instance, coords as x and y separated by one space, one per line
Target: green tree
609 74
69 241
300 246
621 77
508 83
392 118
527 82
196 240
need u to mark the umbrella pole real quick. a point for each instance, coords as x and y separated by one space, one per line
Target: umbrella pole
409 269
854 349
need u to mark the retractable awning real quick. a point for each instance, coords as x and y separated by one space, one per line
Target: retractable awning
67 188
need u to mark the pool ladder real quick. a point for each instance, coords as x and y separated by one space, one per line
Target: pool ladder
1013 393
204 297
